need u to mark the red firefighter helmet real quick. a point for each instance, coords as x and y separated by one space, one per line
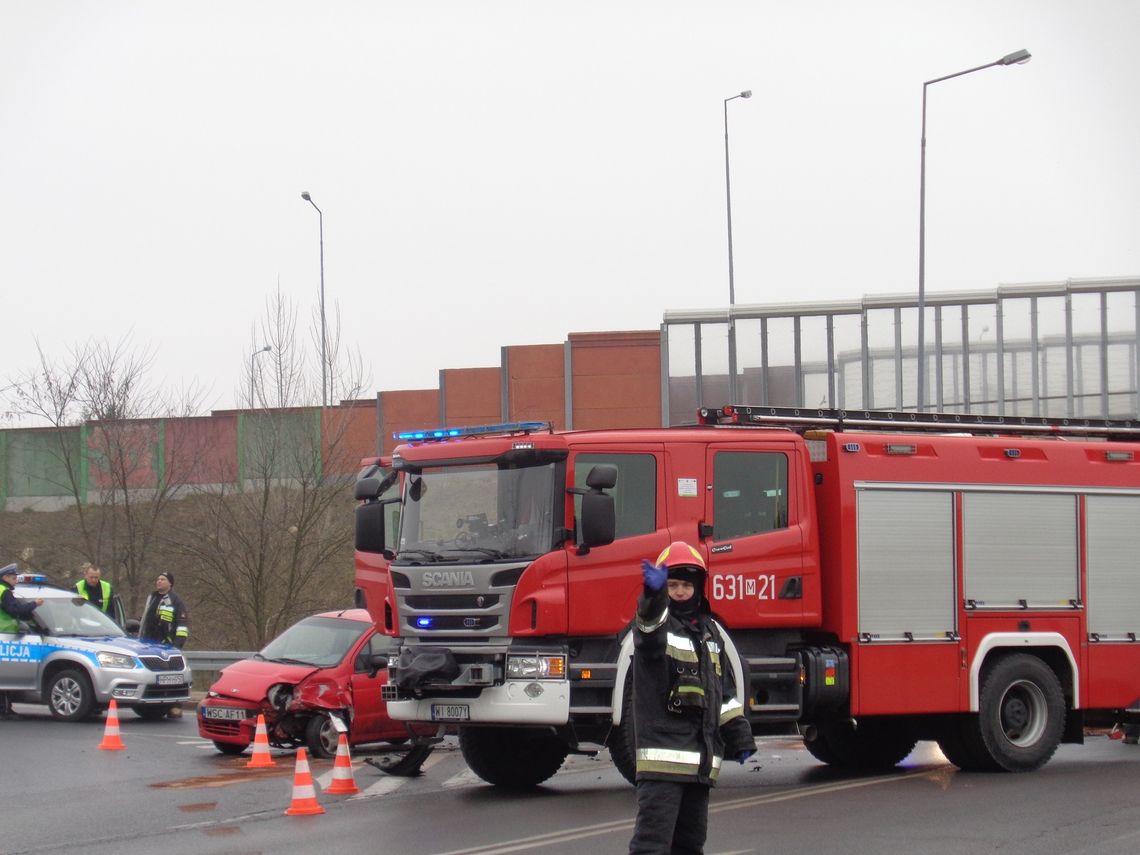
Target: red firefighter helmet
680 554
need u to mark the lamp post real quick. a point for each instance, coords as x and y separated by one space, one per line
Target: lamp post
252 372
1019 57
747 93
324 352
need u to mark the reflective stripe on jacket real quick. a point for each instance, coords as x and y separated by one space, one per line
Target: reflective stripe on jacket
686 714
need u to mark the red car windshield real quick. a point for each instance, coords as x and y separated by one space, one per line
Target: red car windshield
318 641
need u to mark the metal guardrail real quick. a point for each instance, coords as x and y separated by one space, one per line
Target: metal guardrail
214 660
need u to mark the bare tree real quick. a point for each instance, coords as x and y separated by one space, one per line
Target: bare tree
104 434
275 546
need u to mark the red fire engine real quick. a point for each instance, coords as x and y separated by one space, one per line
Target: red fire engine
886 577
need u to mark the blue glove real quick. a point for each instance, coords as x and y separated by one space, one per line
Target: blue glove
744 755
653 575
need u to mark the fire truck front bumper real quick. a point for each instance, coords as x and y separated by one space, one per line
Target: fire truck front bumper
511 702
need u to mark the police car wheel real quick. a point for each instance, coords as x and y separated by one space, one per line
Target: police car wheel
70 696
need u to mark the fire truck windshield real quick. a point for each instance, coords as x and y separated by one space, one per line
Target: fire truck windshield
480 512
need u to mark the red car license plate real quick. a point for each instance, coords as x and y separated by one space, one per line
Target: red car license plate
228 713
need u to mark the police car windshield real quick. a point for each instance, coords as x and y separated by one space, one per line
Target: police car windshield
74 616
320 642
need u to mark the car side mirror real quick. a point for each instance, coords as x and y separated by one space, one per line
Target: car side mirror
377 662
132 626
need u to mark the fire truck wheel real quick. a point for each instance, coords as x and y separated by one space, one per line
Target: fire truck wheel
1021 713
512 757
876 743
621 743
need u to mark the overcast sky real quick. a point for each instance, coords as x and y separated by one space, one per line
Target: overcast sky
497 173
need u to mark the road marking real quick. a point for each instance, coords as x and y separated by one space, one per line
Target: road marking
570 835
466 778
382 787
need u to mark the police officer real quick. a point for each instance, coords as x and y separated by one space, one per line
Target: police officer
93 589
686 713
12 611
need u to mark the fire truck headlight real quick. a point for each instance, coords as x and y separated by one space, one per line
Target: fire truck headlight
536 667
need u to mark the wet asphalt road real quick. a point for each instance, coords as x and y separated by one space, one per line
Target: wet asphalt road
171 792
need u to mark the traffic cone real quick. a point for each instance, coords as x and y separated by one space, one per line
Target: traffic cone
111 739
343 784
304 796
261 758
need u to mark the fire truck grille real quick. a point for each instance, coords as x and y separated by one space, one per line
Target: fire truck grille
157 663
465 602
452 623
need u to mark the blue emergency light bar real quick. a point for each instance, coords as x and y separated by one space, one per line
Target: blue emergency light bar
474 430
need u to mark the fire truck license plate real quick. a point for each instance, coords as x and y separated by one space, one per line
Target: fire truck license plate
171 680
450 712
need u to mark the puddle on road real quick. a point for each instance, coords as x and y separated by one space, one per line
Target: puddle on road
222 830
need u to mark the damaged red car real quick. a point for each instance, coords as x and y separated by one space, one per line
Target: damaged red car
324 668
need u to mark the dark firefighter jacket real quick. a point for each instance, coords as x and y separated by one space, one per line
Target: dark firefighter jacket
687 716
165 619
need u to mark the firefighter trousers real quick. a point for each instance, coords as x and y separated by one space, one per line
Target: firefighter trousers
672 818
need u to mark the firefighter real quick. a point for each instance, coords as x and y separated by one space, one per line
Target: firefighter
12 611
92 587
687 716
165 620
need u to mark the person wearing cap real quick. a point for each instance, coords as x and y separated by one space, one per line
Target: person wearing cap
165 620
686 713
13 609
93 588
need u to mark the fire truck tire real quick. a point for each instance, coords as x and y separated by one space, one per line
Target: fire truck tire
873 744
621 743
961 743
1021 713
514 758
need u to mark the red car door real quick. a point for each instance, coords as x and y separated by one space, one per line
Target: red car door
370 719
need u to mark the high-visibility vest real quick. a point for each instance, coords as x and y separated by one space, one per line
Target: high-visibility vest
104 586
7 622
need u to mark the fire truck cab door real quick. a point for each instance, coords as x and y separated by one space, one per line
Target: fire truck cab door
756 550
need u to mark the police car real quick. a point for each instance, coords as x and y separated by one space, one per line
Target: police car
74 658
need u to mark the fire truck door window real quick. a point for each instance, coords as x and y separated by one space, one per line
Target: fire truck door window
750 493
635 494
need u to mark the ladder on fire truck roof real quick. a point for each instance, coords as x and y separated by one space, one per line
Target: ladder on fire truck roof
804 418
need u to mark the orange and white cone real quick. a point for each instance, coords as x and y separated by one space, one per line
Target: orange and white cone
111 739
304 795
343 784
261 758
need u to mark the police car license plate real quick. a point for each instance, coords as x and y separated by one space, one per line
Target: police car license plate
171 680
228 713
450 712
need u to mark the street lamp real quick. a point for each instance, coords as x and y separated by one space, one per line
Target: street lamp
252 374
324 352
1019 57
747 93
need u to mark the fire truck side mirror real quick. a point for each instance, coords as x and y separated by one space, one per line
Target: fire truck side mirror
370 528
